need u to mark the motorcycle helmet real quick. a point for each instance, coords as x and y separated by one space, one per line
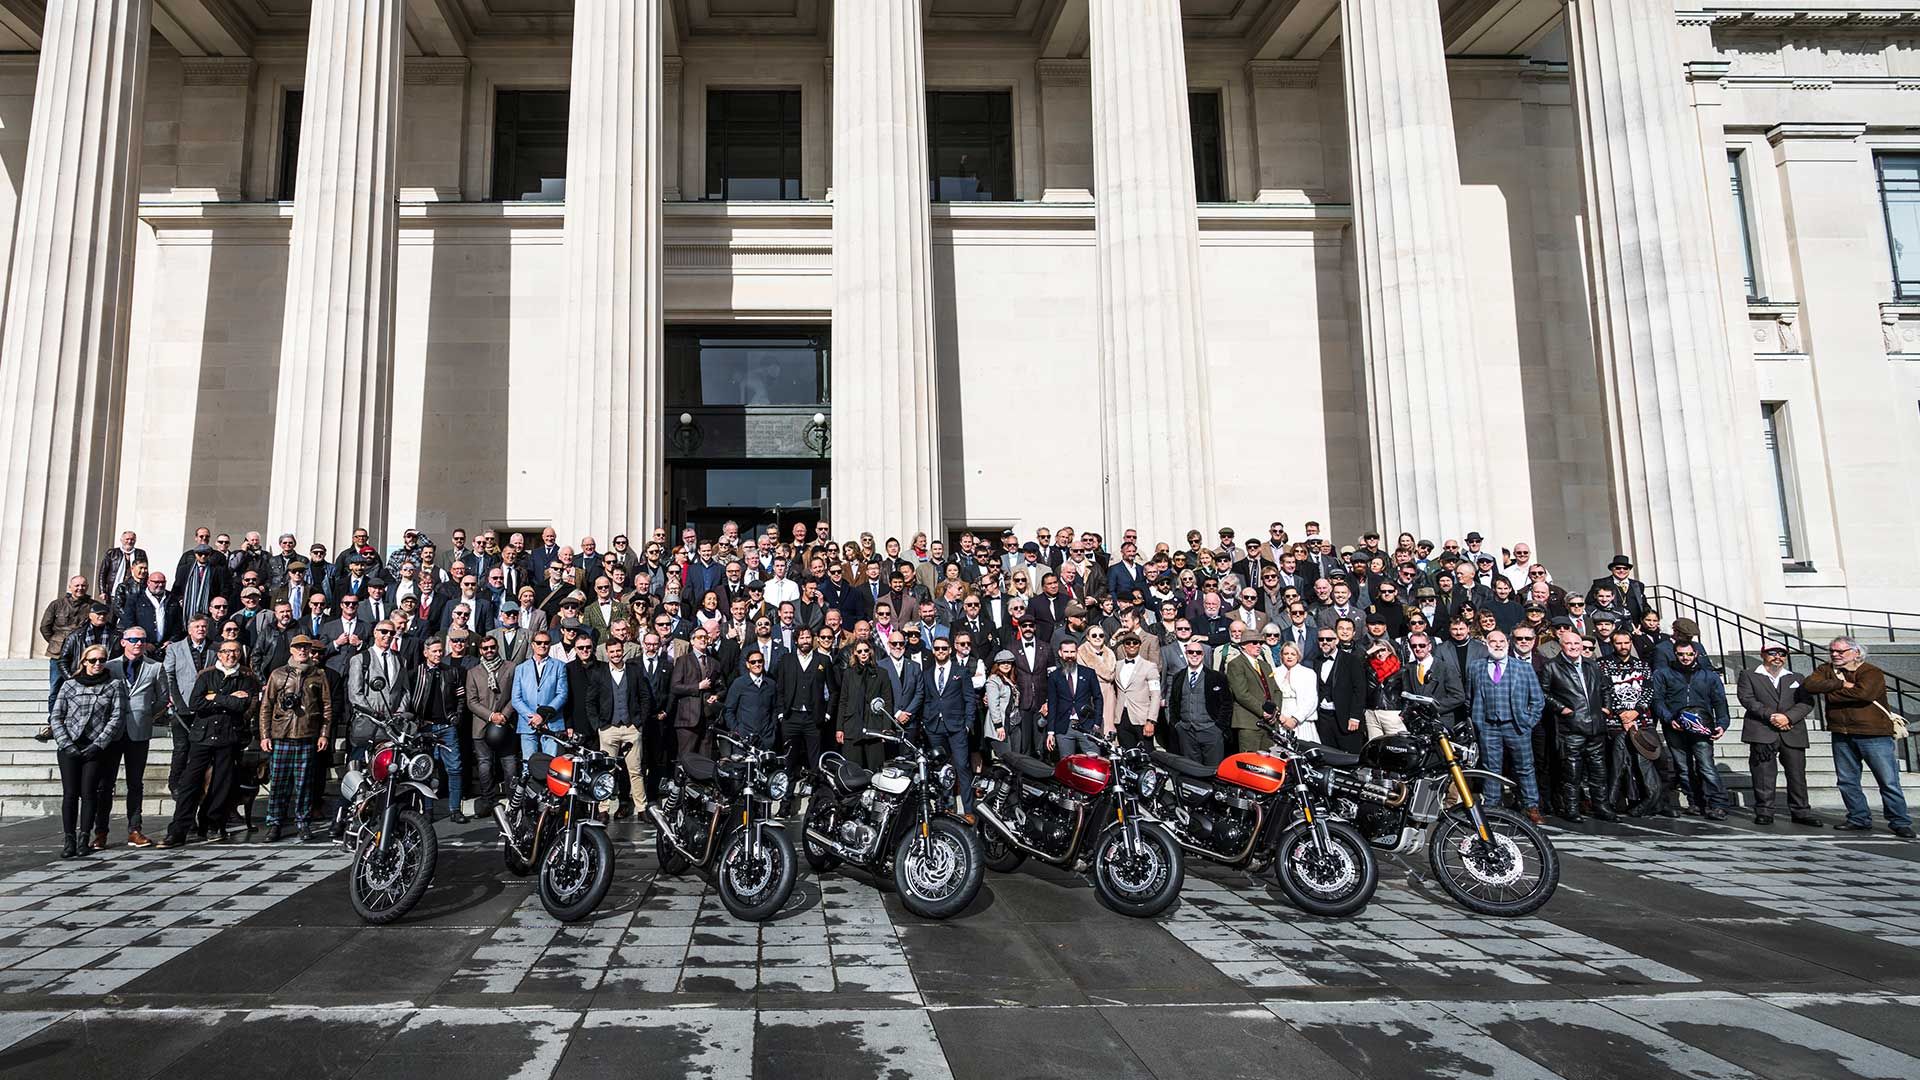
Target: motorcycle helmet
501 738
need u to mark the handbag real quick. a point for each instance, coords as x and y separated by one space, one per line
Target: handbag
1899 722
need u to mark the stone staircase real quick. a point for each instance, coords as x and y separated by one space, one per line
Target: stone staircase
29 777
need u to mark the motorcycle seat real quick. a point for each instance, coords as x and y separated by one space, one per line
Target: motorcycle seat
1328 756
1031 768
537 767
852 777
698 766
1183 766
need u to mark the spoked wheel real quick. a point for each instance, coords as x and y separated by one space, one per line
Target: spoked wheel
1513 874
755 880
1336 881
1138 879
938 874
385 885
575 878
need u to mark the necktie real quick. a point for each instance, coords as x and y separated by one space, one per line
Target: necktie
1497 665
1193 679
1420 674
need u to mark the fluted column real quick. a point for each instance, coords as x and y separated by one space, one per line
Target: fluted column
1424 416
1158 449
331 437
614 475
1659 328
886 418
62 358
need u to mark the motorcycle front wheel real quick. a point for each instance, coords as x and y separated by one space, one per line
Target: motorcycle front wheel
1516 874
819 859
756 880
938 875
572 883
1332 883
383 886
1139 881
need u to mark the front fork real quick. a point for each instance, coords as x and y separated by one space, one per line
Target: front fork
1464 790
387 812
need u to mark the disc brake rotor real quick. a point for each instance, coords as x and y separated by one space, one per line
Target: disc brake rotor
1133 872
933 867
1498 865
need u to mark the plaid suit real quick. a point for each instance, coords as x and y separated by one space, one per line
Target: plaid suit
1504 713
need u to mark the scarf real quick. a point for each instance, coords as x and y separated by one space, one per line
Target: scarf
492 668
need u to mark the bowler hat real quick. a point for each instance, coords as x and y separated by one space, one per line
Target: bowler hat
1620 560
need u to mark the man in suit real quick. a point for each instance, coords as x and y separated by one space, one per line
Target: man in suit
513 641
539 694
1250 682
154 610
805 701
696 686
750 709
655 664
145 677
1507 702
1199 706
946 714
1775 730
1136 682
1073 703
904 678
1032 659
1430 677
1127 575
205 579
185 660
603 610
489 701
1629 594
1576 692
547 552
116 565
1343 691
345 634
623 704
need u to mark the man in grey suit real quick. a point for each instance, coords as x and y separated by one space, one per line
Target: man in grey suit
1777 707
513 639
146 680
905 676
186 659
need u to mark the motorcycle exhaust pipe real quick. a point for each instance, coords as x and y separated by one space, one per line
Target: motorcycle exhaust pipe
832 845
660 822
506 830
993 819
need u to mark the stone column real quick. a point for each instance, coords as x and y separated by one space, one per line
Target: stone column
1659 328
614 462
886 408
1430 477
1158 449
62 357
330 437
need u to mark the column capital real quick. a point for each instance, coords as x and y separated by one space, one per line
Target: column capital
1055 72
437 70
1295 74
216 70
1801 132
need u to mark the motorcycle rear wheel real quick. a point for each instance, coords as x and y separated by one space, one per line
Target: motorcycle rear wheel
1141 884
572 886
385 887
755 889
819 859
1331 885
1497 881
940 881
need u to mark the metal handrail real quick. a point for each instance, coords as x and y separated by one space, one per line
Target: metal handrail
1853 622
1740 638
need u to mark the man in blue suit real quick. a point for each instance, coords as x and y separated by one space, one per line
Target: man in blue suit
901 671
1507 703
946 714
539 683
1073 703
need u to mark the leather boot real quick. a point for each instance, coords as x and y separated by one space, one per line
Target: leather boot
78 842
1570 805
100 840
70 850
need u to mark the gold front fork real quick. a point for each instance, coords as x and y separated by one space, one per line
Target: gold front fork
1461 787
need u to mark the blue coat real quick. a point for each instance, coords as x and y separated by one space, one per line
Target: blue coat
1082 701
908 686
1516 699
1701 690
749 711
950 712
529 694
1122 580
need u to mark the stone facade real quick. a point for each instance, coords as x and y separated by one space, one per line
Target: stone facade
1598 424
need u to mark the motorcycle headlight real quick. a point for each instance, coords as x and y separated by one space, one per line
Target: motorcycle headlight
420 767
1149 784
604 786
777 785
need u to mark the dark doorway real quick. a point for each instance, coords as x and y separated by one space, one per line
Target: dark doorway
756 494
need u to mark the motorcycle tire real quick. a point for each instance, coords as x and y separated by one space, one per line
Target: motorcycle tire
998 852
596 853
942 881
418 849
773 879
516 865
1454 835
1358 874
819 859
672 863
1144 885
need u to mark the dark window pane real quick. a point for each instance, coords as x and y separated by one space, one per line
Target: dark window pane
970 145
753 144
1737 176
290 143
744 368
1900 200
1209 169
530 145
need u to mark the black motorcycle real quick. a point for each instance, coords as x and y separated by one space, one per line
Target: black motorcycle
717 815
1401 789
1087 811
551 820
1270 807
899 819
385 818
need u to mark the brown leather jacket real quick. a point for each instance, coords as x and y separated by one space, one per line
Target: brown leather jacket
296 703
1856 709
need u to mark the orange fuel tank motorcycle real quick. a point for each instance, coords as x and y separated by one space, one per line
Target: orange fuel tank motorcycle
1261 809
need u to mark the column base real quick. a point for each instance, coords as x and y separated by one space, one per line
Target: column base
1066 195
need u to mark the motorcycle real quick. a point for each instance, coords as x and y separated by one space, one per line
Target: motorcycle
1400 789
385 818
1260 808
550 819
897 819
718 815
1029 808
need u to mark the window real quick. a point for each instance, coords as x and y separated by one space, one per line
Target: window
530 145
970 145
1736 168
289 143
745 368
1900 199
1773 433
753 144
1209 170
